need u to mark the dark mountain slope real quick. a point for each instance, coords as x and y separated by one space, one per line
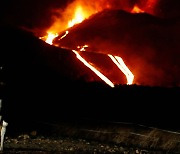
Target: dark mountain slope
44 83
149 45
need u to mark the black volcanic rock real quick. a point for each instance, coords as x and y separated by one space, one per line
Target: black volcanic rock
25 54
149 45
38 75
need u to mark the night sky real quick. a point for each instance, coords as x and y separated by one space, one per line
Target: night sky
33 13
29 13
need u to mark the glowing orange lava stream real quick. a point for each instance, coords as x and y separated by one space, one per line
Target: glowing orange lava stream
117 60
67 32
104 78
121 65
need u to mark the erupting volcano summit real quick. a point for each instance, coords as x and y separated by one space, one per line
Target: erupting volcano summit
130 33
119 41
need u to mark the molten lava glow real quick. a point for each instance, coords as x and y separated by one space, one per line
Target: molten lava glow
49 38
136 9
121 65
83 48
104 78
76 13
66 33
79 10
78 17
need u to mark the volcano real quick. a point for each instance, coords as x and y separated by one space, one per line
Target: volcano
46 83
146 40
81 58
149 45
93 65
38 73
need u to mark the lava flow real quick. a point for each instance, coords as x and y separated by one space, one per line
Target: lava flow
121 65
49 38
98 73
136 9
78 17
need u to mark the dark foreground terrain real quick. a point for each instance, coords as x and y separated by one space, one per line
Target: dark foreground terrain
51 108
94 119
90 136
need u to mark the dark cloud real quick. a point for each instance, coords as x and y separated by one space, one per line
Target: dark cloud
168 8
29 13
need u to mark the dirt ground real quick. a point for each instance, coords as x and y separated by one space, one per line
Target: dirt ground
42 145
87 139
